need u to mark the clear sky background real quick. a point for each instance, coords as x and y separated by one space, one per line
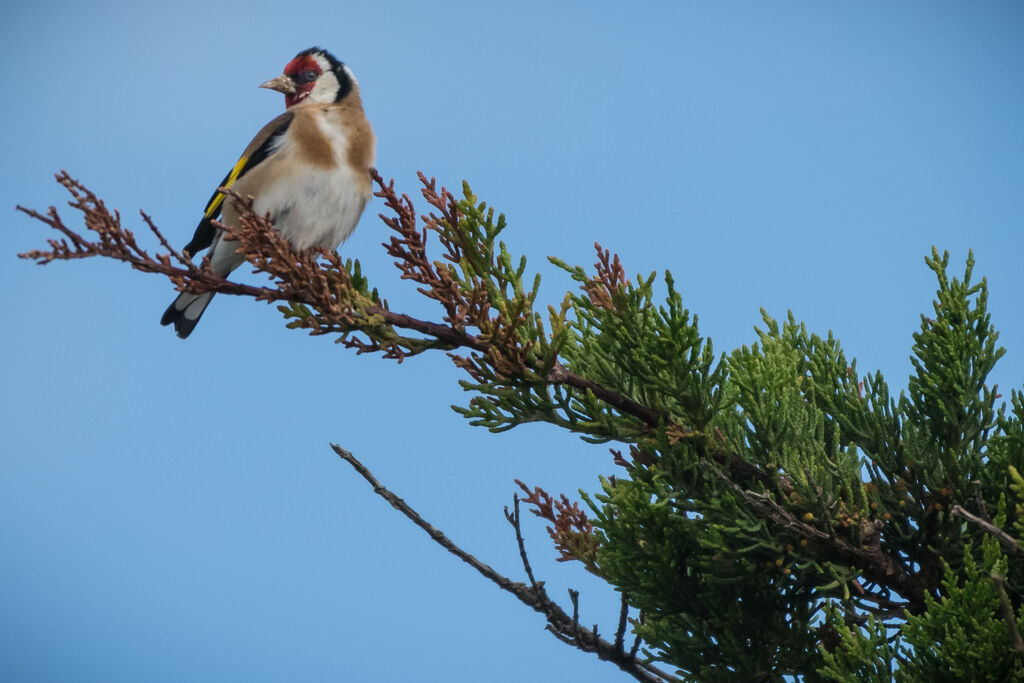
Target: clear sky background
170 510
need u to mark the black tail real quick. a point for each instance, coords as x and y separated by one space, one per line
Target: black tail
186 311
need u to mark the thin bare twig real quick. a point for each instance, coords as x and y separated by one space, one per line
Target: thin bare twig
1004 603
513 519
1008 541
620 631
561 624
979 498
637 640
574 598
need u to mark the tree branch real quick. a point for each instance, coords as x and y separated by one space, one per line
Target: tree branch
326 287
563 626
322 282
1008 541
870 559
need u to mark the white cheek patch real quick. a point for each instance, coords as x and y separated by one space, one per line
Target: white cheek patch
326 88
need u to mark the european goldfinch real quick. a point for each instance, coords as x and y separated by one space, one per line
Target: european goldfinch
309 169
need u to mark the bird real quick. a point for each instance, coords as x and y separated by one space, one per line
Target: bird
308 168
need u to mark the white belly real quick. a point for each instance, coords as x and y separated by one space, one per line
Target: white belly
319 208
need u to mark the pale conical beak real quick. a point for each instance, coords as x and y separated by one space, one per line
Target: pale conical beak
281 84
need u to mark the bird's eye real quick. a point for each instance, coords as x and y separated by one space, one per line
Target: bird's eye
307 76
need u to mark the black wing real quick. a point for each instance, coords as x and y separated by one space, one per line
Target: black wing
271 134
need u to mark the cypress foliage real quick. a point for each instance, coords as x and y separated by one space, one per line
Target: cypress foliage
773 515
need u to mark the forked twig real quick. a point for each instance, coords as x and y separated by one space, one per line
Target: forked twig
563 626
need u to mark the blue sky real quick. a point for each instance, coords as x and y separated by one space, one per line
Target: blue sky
171 510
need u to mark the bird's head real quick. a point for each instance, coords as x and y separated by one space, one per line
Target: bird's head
314 75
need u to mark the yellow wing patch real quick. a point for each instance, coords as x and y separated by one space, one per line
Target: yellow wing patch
214 206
